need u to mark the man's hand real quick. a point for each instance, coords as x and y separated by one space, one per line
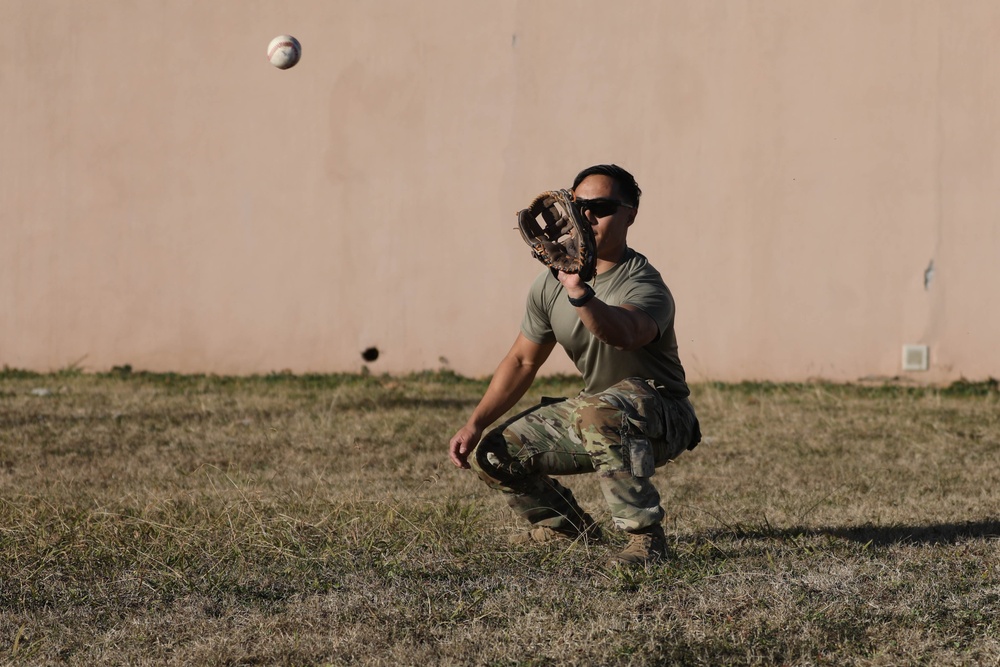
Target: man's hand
462 444
572 283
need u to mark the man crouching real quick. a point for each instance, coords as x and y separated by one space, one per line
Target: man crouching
633 414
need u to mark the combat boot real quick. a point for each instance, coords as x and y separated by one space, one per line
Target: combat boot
644 547
589 531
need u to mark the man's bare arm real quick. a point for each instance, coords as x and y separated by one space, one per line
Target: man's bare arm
625 327
511 380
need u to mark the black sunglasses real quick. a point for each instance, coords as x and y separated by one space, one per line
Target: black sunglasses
600 207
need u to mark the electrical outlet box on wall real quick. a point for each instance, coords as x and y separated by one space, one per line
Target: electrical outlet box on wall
916 357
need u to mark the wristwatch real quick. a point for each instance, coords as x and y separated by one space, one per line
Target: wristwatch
583 299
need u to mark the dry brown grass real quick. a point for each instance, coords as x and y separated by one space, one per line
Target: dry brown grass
316 520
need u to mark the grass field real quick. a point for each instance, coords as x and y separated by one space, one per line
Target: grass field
161 519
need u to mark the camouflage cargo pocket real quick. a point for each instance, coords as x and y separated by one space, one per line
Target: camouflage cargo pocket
643 420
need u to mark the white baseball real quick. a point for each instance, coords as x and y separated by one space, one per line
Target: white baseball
284 51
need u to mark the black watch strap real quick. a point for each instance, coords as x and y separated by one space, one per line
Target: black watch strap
576 303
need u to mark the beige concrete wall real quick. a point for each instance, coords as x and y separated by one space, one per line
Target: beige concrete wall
171 201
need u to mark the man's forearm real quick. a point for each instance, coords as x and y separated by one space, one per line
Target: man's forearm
615 326
510 381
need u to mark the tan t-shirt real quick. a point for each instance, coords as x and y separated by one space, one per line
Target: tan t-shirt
550 316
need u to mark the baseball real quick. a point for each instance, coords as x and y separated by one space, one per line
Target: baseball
284 51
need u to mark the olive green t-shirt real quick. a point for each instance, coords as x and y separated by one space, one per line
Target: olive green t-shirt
550 316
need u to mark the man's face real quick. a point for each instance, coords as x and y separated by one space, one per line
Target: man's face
610 229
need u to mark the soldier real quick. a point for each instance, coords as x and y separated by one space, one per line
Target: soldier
633 414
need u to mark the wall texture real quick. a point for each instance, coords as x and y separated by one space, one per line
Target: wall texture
820 179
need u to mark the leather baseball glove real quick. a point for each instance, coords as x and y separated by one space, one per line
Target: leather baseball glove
559 235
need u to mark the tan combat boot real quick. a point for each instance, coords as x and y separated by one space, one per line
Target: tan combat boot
590 532
644 547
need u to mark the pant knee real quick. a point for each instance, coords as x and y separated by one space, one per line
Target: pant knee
493 462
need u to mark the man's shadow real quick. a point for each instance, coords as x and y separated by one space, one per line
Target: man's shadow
929 534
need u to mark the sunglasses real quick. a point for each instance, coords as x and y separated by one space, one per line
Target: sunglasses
600 207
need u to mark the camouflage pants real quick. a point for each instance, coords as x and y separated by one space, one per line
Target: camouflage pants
622 434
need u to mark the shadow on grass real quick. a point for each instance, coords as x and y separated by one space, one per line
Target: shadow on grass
935 533
174 416
410 403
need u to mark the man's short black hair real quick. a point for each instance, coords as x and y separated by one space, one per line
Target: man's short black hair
627 186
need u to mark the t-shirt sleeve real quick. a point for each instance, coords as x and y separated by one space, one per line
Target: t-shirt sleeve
536 325
652 297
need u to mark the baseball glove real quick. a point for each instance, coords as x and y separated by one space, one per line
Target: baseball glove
559 235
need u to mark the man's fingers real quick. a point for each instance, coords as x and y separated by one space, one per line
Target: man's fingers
459 452
461 445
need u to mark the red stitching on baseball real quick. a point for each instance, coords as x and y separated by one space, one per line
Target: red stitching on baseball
280 45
